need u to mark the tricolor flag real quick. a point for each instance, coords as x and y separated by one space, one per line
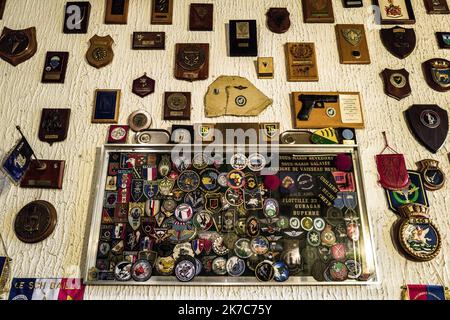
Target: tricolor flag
47 289
425 292
149 173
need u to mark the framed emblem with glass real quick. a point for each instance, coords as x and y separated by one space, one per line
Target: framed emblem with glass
395 12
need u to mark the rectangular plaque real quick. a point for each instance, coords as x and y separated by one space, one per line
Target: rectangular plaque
437 6
353 3
54 125
177 106
201 17
243 38
301 62
443 39
396 11
162 11
318 11
49 177
76 19
149 40
352 44
2 8
106 107
192 61
328 109
55 67
265 68
116 11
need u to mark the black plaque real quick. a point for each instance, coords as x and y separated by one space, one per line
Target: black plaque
76 19
243 38
55 67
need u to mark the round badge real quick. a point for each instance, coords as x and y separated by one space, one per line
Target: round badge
200 161
354 269
169 205
264 271
198 267
331 112
234 197
305 181
122 272
347 134
195 199
188 181
430 119
141 271
177 101
259 245
313 238
118 133
203 220
256 162
239 226
294 223
185 269
236 179
434 178
324 253
338 271
243 249
398 80
235 266
165 265
307 224
140 120
271 208
319 224
184 213
420 238
219 246
281 271
239 161
208 180
241 101
222 180
328 237
219 266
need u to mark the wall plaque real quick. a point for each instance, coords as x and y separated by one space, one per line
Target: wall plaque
396 83
100 52
192 61
396 11
177 106
201 17
54 125
45 174
443 39
76 18
162 11
116 11
352 44
318 11
243 38
278 20
149 40
35 222
55 67
437 6
301 62
17 46
437 74
265 68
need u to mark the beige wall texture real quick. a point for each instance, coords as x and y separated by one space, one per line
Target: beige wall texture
22 96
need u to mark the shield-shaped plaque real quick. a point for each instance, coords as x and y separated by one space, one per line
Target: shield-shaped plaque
399 41
437 74
278 20
429 125
100 53
17 46
143 86
396 83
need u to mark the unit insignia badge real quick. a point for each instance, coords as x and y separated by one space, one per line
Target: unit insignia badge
399 41
437 74
100 52
352 36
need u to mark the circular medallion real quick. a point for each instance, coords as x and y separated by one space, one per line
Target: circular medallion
434 178
35 222
177 101
184 213
209 180
178 195
313 238
430 119
239 161
203 220
338 271
122 271
188 181
354 269
235 266
307 223
283 223
234 197
243 248
281 271
241 101
140 120
141 271
144 137
347 134
397 80
200 161
236 179
219 266
319 224
256 162
185 269
294 223
118 133
191 57
195 199
331 112
240 226
165 265
169 205
305 181
219 246
222 180
264 271
271 208
259 245
99 54
420 238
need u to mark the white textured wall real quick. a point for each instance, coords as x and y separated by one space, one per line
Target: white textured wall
22 97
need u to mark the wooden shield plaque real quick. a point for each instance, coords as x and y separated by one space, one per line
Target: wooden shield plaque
318 11
55 67
17 46
437 74
54 125
301 62
352 44
76 19
278 20
429 125
100 53
162 11
396 83
201 17
399 41
192 61
116 11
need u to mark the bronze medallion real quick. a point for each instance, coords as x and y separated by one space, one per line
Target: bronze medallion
192 61
140 120
396 83
100 52
278 20
35 222
399 41
437 74
17 46
177 106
